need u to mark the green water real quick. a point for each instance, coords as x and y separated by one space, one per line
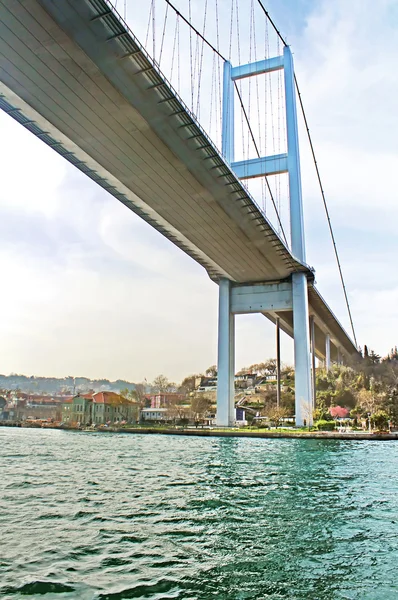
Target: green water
112 516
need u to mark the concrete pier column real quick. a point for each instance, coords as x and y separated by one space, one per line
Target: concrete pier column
303 392
232 369
278 362
313 371
226 357
327 353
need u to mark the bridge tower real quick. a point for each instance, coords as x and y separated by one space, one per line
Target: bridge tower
286 295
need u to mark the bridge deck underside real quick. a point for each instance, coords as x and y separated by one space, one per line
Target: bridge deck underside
325 323
84 85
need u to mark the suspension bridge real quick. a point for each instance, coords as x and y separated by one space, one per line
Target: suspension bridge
187 151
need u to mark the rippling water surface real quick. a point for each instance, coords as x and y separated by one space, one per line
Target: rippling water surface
109 516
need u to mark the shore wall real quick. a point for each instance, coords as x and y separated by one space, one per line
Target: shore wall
331 435
264 434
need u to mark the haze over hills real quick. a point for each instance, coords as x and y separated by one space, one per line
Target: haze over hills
54 385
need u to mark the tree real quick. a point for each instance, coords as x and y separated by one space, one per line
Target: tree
276 415
287 373
268 367
269 396
188 384
161 384
321 413
392 355
339 412
243 371
176 412
288 401
138 394
373 357
200 406
366 401
211 371
380 420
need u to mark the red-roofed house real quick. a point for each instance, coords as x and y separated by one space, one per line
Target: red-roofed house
99 408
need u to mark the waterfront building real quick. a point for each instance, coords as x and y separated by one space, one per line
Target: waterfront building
15 409
154 415
109 406
49 410
77 410
99 408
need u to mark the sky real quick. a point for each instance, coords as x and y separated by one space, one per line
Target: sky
90 289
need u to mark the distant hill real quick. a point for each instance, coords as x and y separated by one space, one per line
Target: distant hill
54 385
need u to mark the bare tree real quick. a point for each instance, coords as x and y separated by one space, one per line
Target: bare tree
162 384
176 412
139 394
188 384
276 414
200 405
265 368
243 371
211 371
136 395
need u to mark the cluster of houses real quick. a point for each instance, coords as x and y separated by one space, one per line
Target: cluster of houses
81 409
244 380
106 407
18 406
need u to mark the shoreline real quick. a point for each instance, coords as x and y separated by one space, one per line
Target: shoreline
328 435
259 434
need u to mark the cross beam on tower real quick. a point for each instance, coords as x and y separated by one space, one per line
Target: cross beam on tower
295 294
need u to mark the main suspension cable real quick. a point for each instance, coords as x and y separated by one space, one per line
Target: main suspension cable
260 2
278 33
195 30
318 177
242 107
326 211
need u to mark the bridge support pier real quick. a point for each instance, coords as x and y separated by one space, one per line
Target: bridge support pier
226 357
272 299
313 370
302 363
278 362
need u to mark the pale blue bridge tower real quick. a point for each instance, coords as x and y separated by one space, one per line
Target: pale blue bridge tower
276 296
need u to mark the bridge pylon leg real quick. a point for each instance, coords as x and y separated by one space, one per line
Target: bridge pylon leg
226 357
301 333
303 391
